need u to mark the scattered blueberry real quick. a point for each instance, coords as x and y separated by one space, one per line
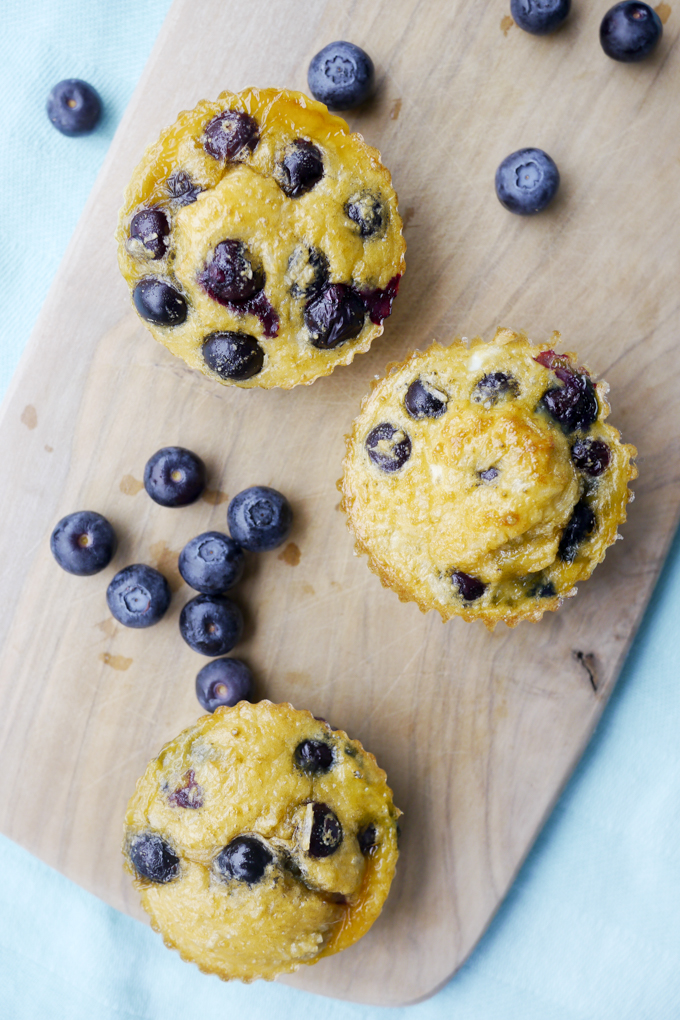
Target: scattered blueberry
245 859
223 682
573 405
539 16
212 563
326 833
469 588
259 518
227 133
138 596
630 31
174 476
159 303
493 386
151 227
368 212
83 543
388 447
231 276
591 456
153 859
368 839
424 401
188 795
233 355
489 475
341 75
335 315
182 188
526 181
313 756
308 272
581 524
546 591
211 624
301 168
74 107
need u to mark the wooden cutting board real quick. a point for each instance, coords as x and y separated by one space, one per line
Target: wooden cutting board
478 732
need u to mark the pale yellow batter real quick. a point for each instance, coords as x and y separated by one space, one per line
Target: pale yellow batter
329 839
487 507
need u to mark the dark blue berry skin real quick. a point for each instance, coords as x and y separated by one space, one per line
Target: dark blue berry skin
393 453
367 840
527 181
313 756
74 107
138 596
334 315
591 456
573 405
174 476
83 543
493 386
244 859
421 402
151 227
630 31
211 624
227 133
540 17
341 75
223 682
259 518
581 524
469 588
233 355
302 168
326 834
159 303
212 563
153 859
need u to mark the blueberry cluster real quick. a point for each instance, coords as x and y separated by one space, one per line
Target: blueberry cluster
259 519
528 180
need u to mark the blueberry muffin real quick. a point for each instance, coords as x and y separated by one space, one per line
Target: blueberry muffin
261 839
484 481
261 240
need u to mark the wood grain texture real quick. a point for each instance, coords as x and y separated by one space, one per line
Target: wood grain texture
478 732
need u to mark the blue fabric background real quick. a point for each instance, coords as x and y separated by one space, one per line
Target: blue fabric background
591 928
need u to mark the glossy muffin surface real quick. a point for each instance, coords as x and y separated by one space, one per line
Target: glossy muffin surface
484 481
260 839
261 239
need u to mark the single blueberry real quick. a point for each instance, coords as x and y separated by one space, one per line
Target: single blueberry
244 859
539 16
74 107
152 858
159 303
546 591
138 596
182 189
313 756
526 181
422 400
212 562
151 227
231 276
469 588
233 355
223 682
581 524
301 168
341 75
259 518
211 624
591 456
388 447
630 31
326 832
493 386
227 133
368 212
174 476
83 543
489 475
368 839
308 272
573 405
333 316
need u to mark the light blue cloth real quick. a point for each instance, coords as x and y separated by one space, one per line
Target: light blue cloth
591 928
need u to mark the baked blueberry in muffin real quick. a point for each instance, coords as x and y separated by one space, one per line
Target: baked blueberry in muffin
261 239
260 839
484 481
